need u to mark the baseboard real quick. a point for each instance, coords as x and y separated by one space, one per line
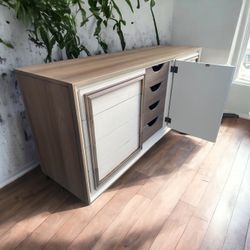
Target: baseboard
27 168
244 116
241 115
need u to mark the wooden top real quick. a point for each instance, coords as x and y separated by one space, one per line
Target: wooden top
87 70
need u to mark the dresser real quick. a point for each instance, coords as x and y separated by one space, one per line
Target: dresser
93 118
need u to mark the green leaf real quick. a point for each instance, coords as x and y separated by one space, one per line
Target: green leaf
52 22
7 44
117 9
152 3
138 4
130 5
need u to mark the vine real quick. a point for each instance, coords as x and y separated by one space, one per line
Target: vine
53 22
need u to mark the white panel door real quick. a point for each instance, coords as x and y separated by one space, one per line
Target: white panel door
114 126
198 95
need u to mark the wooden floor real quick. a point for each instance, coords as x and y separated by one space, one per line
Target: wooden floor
184 193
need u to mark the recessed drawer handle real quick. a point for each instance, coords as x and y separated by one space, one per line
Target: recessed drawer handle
150 124
154 105
155 87
157 67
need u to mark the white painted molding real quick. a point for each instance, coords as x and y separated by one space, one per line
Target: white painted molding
28 167
244 116
241 37
241 115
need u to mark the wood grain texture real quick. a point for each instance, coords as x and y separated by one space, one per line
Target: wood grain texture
52 117
156 74
239 223
218 226
88 70
150 207
174 227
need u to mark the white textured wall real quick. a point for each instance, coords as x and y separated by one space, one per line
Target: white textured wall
17 149
239 100
209 24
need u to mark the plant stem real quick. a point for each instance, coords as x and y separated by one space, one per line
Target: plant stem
155 26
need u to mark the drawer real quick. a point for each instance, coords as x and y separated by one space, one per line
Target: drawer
107 99
153 109
114 148
151 127
155 91
156 74
115 117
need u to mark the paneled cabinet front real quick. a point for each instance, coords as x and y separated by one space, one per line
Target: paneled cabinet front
114 126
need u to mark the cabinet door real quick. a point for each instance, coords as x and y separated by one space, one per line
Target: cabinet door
114 124
198 95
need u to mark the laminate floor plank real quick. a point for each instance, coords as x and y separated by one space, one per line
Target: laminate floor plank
217 180
143 233
234 138
174 227
111 238
193 234
218 226
25 207
38 213
43 233
80 218
185 193
87 238
14 202
238 227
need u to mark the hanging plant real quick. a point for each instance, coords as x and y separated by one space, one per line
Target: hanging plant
104 12
53 22
7 44
152 4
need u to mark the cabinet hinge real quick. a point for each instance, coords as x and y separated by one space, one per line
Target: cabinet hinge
167 120
174 69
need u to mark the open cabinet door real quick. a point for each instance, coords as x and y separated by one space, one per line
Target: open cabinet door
198 95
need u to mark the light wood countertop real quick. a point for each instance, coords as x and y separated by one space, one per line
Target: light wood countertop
87 70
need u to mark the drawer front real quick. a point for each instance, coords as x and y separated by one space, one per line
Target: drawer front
114 148
153 108
115 117
155 91
110 99
152 126
156 74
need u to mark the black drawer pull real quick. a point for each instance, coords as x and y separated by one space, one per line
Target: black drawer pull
150 124
155 87
157 67
154 105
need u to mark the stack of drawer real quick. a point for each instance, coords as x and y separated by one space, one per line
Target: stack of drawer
114 132
154 99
